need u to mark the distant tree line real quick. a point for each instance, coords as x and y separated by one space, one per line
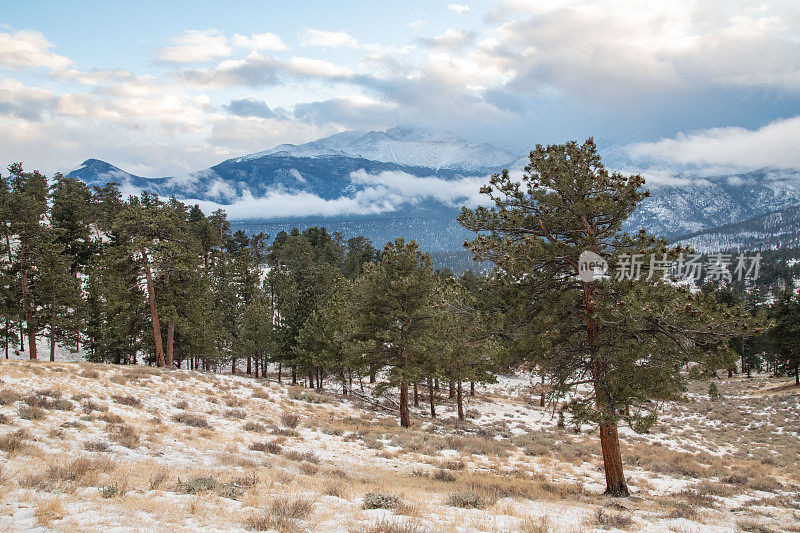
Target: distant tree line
142 280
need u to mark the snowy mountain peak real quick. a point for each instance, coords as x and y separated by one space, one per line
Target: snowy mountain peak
402 146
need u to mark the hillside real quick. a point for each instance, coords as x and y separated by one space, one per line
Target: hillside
89 447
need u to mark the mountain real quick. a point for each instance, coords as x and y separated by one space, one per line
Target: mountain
694 204
780 229
323 168
411 182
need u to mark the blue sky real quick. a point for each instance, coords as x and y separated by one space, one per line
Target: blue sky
162 88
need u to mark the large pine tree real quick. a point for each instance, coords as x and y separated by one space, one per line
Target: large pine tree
397 316
626 339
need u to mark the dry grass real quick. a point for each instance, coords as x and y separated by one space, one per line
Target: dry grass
48 510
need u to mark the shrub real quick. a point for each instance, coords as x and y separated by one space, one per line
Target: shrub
608 519
254 427
183 404
291 507
373 500
466 500
96 446
444 475
28 412
199 484
111 418
294 455
189 419
261 394
13 443
88 406
130 401
125 435
8 396
290 420
48 400
110 491
269 447
236 413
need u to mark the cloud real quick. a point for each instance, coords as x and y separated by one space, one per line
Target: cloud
255 70
22 102
260 41
458 8
249 107
196 46
381 193
317 68
417 24
26 49
355 111
451 39
328 39
773 145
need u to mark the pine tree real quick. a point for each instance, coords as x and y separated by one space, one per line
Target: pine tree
784 335
470 350
326 340
56 291
626 339
396 316
28 207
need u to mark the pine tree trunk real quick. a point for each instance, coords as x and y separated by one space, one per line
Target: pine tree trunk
151 296
372 377
26 308
460 401
542 397
279 371
416 395
472 388
612 461
52 343
431 398
294 375
405 420
797 374
233 366
249 365
170 360
452 389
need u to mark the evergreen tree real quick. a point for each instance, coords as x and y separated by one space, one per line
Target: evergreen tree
626 338
784 335
28 207
56 291
397 316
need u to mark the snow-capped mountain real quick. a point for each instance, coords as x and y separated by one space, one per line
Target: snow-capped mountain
402 146
695 204
414 174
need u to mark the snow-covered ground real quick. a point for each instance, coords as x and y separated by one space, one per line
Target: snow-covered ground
103 447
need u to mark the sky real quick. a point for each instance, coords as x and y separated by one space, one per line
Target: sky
165 88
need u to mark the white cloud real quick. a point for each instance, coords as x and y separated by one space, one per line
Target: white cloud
417 24
451 39
29 49
774 145
385 192
196 46
260 41
459 8
328 39
318 67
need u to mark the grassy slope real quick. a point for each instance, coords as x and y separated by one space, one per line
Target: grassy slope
93 447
